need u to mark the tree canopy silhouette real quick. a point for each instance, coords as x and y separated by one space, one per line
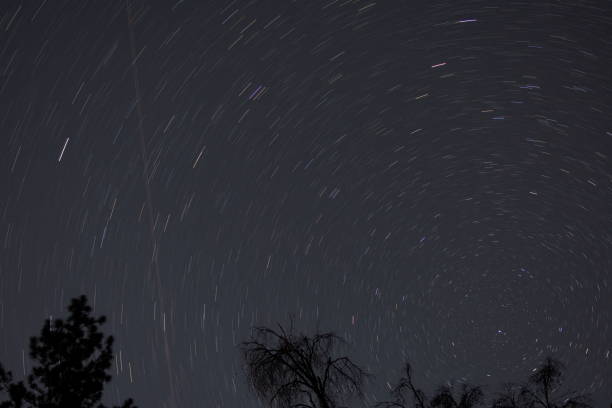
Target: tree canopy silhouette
297 371
71 357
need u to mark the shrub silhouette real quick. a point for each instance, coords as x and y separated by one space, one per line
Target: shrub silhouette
72 358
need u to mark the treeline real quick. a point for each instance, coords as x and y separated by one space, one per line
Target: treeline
291 370
72 358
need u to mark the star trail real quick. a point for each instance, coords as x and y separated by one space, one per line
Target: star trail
431 180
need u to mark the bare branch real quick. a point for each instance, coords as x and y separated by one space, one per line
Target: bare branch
287 369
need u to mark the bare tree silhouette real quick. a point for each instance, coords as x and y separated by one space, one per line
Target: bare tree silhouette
297 371
71 357
511 396
542 389
405 385
468 397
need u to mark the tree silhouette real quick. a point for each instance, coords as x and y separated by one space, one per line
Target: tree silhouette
72 358
297 371
542 389
512 396
469 396
405 385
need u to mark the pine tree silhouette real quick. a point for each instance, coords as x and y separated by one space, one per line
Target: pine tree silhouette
72 358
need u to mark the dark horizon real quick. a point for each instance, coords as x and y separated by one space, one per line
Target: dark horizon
430 180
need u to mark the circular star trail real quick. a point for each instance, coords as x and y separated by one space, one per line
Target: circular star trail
431 180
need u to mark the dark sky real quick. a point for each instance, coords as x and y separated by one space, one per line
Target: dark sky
430 179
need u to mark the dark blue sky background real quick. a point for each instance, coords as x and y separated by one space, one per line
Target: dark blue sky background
431 180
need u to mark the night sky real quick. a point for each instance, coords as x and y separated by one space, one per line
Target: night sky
431 180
